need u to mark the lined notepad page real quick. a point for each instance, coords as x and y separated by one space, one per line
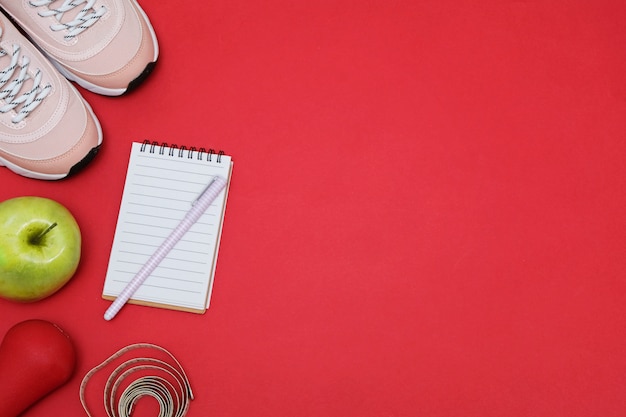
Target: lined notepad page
161 184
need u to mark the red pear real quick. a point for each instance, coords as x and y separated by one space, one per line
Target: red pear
36 357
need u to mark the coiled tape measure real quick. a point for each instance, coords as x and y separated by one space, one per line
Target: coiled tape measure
163 379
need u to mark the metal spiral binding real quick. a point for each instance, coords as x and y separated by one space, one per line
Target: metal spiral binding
181 151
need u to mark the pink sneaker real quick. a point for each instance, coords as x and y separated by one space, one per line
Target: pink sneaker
47 130
106 46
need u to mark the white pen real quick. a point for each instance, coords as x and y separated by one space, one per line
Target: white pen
198 207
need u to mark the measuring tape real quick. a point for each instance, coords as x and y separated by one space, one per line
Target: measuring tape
141 376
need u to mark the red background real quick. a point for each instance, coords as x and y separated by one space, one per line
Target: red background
426 214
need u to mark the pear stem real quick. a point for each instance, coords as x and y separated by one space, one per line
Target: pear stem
35 240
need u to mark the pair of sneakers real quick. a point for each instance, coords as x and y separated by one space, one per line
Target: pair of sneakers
47 130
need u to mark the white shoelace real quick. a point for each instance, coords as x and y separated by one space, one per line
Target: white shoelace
83 20
11 86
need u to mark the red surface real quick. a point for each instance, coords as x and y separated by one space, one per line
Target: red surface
426 215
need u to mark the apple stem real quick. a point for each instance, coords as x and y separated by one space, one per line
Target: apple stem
38 238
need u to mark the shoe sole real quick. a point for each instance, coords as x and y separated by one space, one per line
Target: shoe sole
137 81
73 170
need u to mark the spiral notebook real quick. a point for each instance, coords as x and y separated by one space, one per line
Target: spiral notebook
162 181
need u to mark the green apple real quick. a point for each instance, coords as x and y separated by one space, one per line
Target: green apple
40 244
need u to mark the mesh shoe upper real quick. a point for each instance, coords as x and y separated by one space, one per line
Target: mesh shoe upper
46 128
103 45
